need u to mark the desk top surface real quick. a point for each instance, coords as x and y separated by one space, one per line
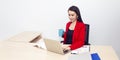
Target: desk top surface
26 36
25 51
18 48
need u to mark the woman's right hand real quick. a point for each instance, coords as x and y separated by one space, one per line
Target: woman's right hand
65 47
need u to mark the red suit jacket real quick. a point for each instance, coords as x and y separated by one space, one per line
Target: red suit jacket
78 35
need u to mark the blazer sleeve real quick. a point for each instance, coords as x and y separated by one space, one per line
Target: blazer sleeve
78 38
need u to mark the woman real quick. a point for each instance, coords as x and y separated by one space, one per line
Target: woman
75 30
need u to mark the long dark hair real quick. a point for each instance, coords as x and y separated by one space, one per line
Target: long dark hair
76 10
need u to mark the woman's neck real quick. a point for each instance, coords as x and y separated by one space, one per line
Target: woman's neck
74 22
72 25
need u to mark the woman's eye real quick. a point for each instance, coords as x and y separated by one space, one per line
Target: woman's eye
72 15
69 14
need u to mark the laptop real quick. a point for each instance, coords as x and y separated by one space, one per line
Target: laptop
54 46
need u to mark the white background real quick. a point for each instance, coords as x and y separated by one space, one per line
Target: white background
47 16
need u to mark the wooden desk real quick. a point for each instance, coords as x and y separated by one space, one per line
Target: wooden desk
26 51
18 48
26 36
105 52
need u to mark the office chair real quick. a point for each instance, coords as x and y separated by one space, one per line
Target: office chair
87 26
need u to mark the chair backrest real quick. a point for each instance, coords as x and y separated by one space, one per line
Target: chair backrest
87 34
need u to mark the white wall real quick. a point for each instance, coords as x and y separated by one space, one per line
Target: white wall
47 16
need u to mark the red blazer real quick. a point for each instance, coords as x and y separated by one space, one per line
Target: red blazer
78 35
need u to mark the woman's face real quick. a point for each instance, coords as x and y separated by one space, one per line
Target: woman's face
72 16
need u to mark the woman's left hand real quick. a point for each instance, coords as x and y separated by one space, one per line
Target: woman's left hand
66 48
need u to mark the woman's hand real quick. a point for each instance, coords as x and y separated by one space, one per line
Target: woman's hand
66 48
